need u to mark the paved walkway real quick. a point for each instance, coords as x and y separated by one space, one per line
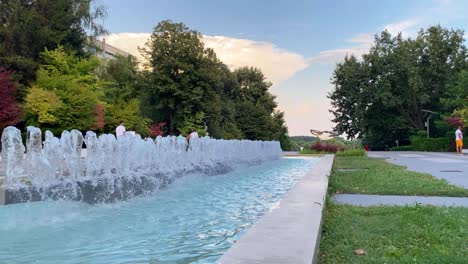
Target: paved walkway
447 166
376 200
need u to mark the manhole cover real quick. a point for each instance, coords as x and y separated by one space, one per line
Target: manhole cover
450 171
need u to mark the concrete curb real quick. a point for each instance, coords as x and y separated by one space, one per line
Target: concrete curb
290 233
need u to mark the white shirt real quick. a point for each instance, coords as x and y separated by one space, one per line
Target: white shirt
458 135
194 134
119 131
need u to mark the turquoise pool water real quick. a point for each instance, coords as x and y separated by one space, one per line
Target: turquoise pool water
194 220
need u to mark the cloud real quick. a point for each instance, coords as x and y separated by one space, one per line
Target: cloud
406 27
277 64
128 42
361 43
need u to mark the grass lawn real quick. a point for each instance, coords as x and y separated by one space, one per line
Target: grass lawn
414 234
376 176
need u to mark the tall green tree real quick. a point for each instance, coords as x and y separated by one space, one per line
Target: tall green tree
122 98
257 114
183 78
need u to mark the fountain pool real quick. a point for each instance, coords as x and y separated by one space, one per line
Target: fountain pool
194 220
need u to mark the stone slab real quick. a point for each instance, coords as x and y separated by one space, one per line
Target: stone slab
398 200
290 232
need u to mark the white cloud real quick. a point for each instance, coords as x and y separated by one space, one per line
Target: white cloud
363 42
277 64
406 27
129 42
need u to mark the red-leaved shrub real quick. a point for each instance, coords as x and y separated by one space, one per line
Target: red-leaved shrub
158 129
326 147
100 112
455 121
9 109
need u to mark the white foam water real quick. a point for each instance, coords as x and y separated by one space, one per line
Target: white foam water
115 168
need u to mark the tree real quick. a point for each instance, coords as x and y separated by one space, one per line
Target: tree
29 26
183 75
9 109
188 88
42 106
382 97
66 92
257 117
122 97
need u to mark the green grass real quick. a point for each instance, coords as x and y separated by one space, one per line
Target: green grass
310 151
348 152
394 234
380 177
352 152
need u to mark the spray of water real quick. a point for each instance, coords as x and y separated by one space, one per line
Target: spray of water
111 168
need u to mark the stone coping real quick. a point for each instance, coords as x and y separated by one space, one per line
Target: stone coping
289 233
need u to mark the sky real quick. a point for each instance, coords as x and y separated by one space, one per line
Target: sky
296 43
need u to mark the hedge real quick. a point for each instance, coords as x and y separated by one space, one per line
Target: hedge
431 144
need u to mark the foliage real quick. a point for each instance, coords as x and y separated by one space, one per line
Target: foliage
192 123
9 109
187 87
122 98
381 98
352 152
129 112
158 129
30 27
307 151
73 88
430 144
302 141
180 75
42 106
99 111
462 115
403 148
121 78
323 146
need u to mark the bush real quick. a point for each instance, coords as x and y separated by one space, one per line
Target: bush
403 148
431 144
310 151
326 147
352 152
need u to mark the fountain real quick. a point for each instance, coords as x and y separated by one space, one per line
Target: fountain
112 168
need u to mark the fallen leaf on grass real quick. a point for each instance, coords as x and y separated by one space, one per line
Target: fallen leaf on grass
359 251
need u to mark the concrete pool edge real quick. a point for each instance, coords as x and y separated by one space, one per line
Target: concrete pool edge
289 233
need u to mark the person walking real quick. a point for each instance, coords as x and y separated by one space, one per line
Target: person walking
194 134
459 140
120 130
